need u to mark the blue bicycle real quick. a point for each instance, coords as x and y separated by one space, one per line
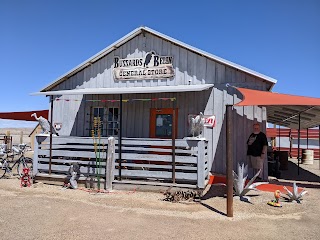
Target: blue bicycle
7 162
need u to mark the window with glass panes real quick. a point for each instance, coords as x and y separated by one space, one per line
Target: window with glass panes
98 112
109 120
113 123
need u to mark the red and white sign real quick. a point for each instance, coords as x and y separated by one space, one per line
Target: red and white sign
209 120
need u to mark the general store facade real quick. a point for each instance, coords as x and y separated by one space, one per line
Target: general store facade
158 83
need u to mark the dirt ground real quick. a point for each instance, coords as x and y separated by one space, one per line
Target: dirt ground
50 212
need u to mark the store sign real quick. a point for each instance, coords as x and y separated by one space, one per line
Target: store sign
150 66
209 120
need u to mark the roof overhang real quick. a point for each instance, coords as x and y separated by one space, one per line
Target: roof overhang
157 89
284 109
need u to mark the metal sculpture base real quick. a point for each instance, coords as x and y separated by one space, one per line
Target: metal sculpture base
195 138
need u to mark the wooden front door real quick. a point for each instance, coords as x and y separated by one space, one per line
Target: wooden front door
161 120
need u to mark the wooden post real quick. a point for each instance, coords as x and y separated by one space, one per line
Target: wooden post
299 144
200 165
35 156
21 137
173 134
120 138
229 162
7 140
110 163
51 130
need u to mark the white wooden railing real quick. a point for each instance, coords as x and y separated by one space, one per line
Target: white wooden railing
143 159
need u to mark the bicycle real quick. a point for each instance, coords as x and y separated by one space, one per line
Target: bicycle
22 162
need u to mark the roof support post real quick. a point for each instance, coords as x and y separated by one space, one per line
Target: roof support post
279 133
229 161
319 147
173 134
299 144
51 130
307 138
120 137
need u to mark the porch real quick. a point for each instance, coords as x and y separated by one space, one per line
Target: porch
150 161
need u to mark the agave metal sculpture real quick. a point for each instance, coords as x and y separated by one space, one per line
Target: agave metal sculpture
295 195
239 182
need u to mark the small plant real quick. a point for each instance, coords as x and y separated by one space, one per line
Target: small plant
295 195
239 182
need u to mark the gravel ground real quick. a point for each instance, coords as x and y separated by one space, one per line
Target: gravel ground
50 212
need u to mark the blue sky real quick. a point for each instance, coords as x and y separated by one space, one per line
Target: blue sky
41 40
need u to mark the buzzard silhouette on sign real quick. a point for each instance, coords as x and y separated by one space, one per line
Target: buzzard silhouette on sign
147 58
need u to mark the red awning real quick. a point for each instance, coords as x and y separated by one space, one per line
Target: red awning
284 109
25 116
263 98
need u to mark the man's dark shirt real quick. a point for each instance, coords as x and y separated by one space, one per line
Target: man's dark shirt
256 143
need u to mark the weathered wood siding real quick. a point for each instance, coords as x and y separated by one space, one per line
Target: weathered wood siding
190 68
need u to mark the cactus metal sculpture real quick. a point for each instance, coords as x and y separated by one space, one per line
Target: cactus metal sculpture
295 195
239 182
96 143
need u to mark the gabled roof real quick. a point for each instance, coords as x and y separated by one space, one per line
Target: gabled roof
135 33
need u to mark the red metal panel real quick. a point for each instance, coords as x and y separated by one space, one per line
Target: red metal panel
25 116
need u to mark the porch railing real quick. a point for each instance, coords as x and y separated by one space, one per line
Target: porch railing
143 159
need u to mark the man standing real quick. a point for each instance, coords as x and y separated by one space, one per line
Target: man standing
257 150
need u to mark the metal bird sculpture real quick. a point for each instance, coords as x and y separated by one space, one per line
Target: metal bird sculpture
197 124
295 195
239 182
44 123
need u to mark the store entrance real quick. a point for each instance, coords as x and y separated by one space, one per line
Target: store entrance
161 120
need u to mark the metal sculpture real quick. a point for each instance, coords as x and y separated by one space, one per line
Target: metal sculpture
276 201
197 125
239 182
295 195
25 180
44 123
74 170
179 196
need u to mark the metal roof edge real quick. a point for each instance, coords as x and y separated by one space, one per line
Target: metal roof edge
90 60
212 56
136 32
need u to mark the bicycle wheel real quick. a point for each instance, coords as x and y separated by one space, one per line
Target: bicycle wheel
3 167
25 162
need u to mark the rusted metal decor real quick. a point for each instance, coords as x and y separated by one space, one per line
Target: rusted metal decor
51 130
229 162
174 142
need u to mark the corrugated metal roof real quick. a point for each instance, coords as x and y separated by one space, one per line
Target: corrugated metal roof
158 89
136 32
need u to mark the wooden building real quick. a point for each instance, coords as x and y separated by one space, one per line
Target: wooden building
153 77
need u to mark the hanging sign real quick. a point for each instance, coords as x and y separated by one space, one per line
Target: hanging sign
150 66
57 126
209 120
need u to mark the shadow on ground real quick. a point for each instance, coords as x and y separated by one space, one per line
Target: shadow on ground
309 179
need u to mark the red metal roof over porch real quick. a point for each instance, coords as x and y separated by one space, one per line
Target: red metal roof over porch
284 109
